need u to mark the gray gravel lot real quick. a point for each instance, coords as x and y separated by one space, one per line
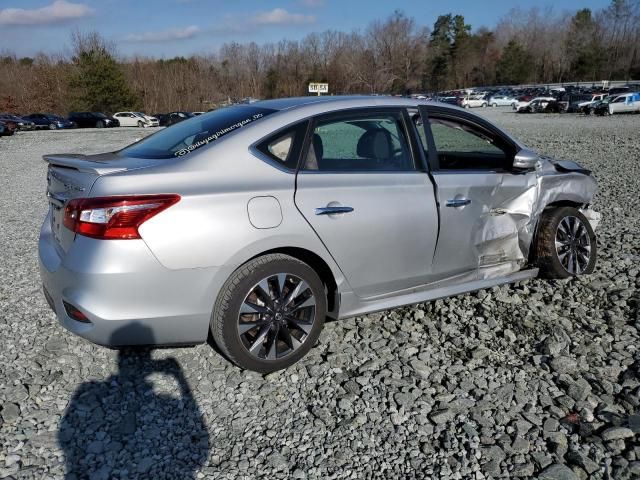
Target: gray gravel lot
539 379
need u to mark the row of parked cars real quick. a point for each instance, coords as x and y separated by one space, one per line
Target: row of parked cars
9 123
565 99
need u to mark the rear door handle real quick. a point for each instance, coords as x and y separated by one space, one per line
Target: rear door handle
458 202
333 210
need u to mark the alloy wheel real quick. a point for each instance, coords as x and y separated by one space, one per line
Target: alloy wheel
276 316
573 245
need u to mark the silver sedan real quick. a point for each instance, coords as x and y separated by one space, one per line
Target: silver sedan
254 223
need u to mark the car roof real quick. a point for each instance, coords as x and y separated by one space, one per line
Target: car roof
342 101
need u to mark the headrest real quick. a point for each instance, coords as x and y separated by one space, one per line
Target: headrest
375 144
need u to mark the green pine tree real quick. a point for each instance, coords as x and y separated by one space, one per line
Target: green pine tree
514 65
98 83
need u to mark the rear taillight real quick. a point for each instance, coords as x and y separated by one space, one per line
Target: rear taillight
114 218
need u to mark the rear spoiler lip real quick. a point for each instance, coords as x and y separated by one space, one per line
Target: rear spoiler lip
81 163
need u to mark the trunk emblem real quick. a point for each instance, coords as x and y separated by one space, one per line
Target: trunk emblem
66 182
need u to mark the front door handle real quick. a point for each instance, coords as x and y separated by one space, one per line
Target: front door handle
458 202
333 210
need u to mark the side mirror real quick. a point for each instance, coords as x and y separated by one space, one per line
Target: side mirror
526 160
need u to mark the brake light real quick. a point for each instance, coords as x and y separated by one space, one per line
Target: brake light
114 218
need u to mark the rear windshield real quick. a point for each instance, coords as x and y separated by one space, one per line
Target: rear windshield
187 136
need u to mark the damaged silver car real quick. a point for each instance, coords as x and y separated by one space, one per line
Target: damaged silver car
254 223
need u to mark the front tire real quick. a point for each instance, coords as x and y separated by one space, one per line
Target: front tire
269 313
99 124
140 124
52 126
566 244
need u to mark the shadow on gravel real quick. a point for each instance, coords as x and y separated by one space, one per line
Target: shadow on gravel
124 427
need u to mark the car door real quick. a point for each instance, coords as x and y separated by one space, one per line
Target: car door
471 163
629 104
121 118
617 105
82 120
371 204
126 120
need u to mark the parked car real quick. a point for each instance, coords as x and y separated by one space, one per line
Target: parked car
451 100
502 101
172 118
162 119
135 119
50 121
9 127
594 98
524 105
578 102
153 121
92 120
542 106
21 123
471 101
255 222
625 103
599 107
618 90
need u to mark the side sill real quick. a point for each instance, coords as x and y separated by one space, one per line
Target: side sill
429 294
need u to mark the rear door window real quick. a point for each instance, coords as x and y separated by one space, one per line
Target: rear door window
189 135
360 143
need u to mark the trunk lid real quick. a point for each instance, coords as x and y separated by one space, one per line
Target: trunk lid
72 176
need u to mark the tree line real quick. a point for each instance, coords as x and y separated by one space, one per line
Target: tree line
395 55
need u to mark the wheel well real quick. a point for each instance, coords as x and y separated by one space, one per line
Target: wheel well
321 268
564 203
550 206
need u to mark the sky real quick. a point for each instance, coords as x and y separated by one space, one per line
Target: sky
167 28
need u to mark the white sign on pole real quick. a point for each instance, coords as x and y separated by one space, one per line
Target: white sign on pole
318 88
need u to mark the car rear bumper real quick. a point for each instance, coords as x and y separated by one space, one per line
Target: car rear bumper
127 296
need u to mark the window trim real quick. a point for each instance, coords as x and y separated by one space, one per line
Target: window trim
359 112
417 141
470 119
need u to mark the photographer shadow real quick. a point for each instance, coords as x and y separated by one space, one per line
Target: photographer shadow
123 427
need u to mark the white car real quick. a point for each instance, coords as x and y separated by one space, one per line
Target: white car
625 103
474 101
502 101
517 106
594 98
136 119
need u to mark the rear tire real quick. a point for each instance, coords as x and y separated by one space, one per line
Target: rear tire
285 301
565 245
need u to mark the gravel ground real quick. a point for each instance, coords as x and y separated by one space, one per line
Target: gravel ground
539 379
